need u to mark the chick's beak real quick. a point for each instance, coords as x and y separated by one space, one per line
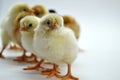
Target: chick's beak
54 26
23 28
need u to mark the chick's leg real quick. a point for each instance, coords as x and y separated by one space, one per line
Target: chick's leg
34 58
69 75
23 58
52 72
1 53
36 67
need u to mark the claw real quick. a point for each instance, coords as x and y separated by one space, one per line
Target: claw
69 75
51 72
25 58
22 58
36 67
49 63
34 60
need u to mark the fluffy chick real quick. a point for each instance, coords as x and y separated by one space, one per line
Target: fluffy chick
17 25
55 43
27 26
7 25
39 10
71 23
12 14
17 34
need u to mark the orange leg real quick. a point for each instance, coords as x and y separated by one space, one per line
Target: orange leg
22 58
1 53
25 58
34 60
69 75
14 47
52 72
49 63
36 67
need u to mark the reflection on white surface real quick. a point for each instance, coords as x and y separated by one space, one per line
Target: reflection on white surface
100 30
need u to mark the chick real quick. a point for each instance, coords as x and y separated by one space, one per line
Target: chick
55 43
39 10
27 26
7 25
17 24
71 23
24 57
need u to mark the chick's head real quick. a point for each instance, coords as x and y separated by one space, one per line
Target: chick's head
51 21
20 7
39 10
19 17
29 23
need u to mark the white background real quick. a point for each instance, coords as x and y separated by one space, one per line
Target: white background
100 38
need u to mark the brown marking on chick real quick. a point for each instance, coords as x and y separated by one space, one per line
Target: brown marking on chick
72 24
24 57
39 10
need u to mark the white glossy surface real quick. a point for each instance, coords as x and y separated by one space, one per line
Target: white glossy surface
100 31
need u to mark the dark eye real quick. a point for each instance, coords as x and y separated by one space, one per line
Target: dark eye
24 9
49 23
30 25
37 13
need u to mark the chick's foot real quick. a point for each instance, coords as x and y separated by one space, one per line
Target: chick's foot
52 72
36 67
23 58
34 59
69 76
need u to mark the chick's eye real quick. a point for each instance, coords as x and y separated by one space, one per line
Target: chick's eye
24 9
37 13
49 23
30 25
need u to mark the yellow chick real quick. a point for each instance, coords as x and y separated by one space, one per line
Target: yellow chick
27 26
71 23
7 25
39 10
55 43
17 25
17 34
